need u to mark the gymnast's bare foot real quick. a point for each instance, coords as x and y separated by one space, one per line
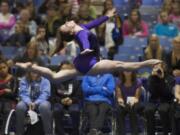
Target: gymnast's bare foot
153 62
24 65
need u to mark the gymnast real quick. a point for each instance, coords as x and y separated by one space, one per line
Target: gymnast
88 61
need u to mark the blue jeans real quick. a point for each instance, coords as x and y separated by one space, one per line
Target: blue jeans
46 115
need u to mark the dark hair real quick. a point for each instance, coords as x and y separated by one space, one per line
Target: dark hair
133 79
65 63
138 25
52 7
61 37
3 61
4 1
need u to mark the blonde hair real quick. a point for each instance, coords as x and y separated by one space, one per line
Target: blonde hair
173 57
149 51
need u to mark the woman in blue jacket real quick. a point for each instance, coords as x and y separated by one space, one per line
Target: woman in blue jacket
34 92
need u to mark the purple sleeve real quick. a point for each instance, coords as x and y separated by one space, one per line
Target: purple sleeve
96 22
84 42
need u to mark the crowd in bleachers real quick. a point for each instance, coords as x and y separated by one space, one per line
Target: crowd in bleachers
147 99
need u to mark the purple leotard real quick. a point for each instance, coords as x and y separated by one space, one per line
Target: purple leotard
87 40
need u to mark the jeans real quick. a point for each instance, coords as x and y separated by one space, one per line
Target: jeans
74 111
45 112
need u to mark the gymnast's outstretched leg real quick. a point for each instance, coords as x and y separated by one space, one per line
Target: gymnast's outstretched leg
62 75
107 66
103 66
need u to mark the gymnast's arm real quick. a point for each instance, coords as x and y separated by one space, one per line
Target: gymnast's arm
100 20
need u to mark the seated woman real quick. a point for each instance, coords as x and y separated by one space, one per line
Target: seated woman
175 14
98 99
7 92
7 21
160 87
67 97
135 26
128 92
154 49
34 92
173 58
42 41
20 37
88 61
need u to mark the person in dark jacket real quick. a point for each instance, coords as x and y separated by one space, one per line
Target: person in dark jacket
98 94
7 92
160 87
176 109
67 99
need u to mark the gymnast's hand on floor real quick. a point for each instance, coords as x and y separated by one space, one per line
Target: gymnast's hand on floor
24 65
86 51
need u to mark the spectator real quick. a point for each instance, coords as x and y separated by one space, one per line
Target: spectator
52 22
160 86
165 28
68 96
31 8
154 49
21 36
128 97
104 30
134 26
29 24
65 12
175 15
98 97
7 21
167 6
91 9
7 93
176 110
173 58
42 41
43 8
84 14
34 92
30 55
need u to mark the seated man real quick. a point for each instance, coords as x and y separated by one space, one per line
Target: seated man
67 99
98 95
34 92
165 28
7 90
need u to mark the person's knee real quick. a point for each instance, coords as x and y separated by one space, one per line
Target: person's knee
21 107
74 110
149 110
164 108
120 110
58 107
45 106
